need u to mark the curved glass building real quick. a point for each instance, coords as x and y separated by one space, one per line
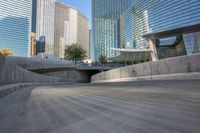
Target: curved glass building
147 16
15 26
172 26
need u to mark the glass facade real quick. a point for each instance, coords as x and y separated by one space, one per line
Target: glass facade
150 16
45 23
192 42
34 15
106 25
134 23
40 45
122 24
15 26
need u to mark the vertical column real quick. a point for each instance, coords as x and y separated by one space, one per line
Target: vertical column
152 47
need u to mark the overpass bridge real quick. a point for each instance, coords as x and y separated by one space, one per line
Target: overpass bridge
64 70
82 73
77 67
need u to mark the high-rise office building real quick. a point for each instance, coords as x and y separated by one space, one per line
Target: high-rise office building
71 27
106 25
34 15
159 18
15 26
73 22
91 47
83 32
45 23
61 34
136 24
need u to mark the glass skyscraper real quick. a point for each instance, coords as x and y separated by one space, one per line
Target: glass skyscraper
106 25
145 16
122 24
34 15
15 26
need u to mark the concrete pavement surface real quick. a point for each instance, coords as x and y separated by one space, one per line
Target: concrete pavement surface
138 107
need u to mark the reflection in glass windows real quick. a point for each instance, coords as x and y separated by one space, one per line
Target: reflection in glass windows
122 23
151 16
192 42
15 26
106 25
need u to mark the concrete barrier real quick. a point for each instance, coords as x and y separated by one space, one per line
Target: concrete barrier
25 61
7 89
156 70
11 73
10 88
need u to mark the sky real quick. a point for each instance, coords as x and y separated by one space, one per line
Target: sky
83 5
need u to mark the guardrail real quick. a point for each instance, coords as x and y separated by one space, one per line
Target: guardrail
78 67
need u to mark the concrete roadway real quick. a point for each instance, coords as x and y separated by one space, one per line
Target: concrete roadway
139 107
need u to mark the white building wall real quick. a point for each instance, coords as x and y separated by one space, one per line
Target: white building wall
73 16
71 27
61 28
83 32
67 33
45 23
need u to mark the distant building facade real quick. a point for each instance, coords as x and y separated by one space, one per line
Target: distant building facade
106 25
33 44
45 23
34 15
91 53
29 27
61 34
40 45
71 27
15 26
83 32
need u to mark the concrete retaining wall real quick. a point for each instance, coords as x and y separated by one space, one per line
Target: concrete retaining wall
72 75
10 72
24 61
176 65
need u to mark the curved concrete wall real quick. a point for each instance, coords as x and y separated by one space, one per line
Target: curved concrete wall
176 65
10 72
24 61
72 75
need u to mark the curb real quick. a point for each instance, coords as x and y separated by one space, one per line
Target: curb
7 89
10 88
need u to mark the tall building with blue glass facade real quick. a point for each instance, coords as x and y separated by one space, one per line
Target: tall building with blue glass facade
135 19
15 26
149 17
106 25
34 15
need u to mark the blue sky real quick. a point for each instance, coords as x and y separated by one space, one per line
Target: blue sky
83 5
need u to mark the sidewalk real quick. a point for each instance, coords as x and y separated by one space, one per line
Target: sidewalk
9 88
